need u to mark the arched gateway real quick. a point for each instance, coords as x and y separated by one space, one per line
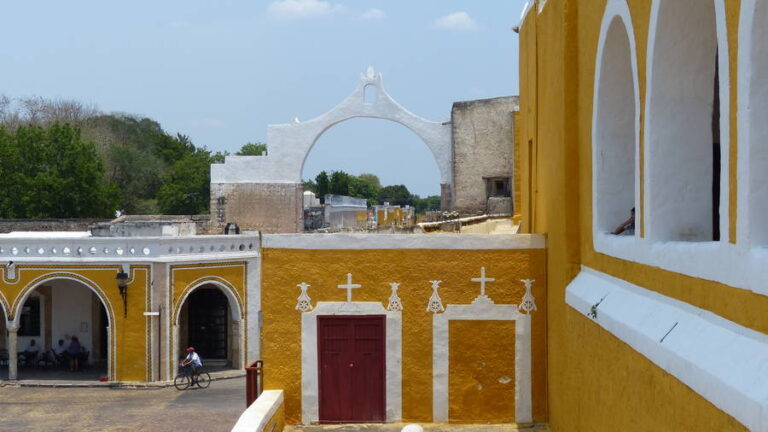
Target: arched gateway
265 192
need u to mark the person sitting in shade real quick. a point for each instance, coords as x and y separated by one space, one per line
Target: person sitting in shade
30 352
628 226
74 354
59 351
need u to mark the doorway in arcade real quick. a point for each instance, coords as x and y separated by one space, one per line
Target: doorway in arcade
53 316
205 323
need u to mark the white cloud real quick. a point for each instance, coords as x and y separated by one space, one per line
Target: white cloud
457 21
296 9
373 14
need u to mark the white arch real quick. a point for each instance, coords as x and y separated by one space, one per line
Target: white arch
678 203
91 285
615 122
235 308
753 124
236 314
289 144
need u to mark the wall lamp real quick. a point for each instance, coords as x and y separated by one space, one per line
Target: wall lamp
122 285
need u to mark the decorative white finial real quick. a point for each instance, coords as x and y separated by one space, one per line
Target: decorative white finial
394 301
370 73
295 120
304 303
349 286
435 303
528 304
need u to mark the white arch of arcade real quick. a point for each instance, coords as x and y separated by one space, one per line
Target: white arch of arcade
235 333
75 280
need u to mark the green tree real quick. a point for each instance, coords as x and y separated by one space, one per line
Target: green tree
395 195
423 205
252 149
55 174
340 183
323 185
372 179
186 185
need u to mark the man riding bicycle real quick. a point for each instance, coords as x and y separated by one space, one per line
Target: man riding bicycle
193 362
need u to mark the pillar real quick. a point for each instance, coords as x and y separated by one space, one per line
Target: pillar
13 353
236 345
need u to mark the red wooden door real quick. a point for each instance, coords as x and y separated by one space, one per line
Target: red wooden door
351 372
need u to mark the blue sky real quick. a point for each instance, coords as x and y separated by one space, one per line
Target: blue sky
221 71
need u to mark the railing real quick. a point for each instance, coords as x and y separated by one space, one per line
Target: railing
254 382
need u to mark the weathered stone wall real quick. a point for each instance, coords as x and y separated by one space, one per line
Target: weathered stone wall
10 225
483 145
266 207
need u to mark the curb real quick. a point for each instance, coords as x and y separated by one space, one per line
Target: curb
120 385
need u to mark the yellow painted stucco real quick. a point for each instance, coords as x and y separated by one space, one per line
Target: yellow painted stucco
282 269
186 277
481 374
596 381
128 362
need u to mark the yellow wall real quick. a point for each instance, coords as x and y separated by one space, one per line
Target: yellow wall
282 269
596 381
481 379
187 277
130 331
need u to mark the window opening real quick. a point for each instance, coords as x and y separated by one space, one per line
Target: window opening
716 154
30 318
370 95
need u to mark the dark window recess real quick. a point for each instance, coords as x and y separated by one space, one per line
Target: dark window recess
716 155
497 187
30 318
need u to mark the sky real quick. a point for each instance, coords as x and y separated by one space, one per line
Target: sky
221 71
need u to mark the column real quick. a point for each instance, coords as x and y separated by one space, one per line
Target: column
236 344
13 353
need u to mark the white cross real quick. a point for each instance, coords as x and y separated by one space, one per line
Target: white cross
482 279
349 286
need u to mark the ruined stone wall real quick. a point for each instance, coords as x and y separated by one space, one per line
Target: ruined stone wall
483 145
266 207
10 225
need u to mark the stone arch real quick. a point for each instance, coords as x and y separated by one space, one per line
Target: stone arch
237 315
30 287
289 144
753 128
615 121
685 38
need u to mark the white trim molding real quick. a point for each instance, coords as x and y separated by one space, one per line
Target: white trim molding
342 241
718 359
481 309
310 391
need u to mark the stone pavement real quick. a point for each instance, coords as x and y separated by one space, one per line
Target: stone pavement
111 409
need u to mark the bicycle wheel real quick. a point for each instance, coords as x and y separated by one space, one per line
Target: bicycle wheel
181 382
203 380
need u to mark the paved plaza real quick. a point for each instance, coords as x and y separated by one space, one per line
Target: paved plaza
104 409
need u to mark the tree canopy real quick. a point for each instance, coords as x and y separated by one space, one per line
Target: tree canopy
252 149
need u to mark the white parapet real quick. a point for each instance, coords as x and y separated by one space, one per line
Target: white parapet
257 416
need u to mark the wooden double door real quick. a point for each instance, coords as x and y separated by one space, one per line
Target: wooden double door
351 351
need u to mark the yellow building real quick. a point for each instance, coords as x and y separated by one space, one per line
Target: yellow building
658 106
132 303
428 328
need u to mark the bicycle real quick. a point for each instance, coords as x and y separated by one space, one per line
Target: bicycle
188 377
